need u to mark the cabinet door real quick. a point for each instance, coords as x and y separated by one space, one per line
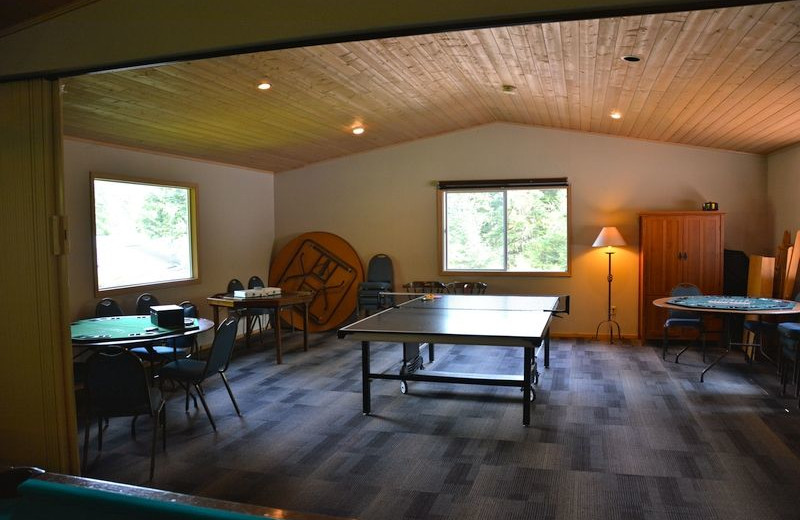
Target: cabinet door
661 247
702 253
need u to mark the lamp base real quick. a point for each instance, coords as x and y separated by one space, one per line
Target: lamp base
611 325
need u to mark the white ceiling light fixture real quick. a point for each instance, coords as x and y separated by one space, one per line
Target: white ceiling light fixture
264 85
358 130
616 115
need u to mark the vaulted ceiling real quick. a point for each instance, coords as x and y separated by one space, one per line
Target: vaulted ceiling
723 78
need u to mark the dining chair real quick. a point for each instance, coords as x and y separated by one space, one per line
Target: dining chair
426 287
380 278
117 385
254 315
156 353
764 332
144 302
194 372
467 287
185 346
107 307
789 337
676 318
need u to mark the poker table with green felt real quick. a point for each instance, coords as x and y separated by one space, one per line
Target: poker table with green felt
130 330
727 306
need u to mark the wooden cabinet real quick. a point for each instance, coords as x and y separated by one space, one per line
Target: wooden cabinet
676 247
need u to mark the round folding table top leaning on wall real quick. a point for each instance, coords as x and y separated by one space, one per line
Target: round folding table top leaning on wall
325 264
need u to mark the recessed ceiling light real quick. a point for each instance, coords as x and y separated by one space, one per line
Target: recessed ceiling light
509 89
264 85
632 58
358 130
615 115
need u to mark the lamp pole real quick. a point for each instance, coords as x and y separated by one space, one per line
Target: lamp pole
611 322
608 237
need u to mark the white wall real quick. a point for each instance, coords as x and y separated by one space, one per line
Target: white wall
783 190
235 212
384 201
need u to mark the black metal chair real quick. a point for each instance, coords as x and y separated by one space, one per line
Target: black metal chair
255 315
117 385
380 278
155 353
688 319
144 302
467 287
185 346
193 372
426 287
235 285
764 332
789 337
107 307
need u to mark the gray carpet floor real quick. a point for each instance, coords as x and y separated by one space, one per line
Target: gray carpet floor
616 433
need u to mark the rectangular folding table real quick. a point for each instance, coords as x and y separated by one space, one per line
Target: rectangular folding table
277 303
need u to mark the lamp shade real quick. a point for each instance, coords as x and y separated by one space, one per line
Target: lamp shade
609 236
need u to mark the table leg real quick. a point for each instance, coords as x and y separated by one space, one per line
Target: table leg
547 349
305 326
726 327
526 387
278 358
365 380
216 318
246 328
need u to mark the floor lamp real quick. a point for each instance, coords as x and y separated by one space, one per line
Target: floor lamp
609 237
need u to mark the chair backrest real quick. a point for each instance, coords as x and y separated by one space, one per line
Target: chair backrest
255 282
235 285
380 269
684 289
189 309
144 302
107 307
426 287
222 346
117 383
185 342
467 288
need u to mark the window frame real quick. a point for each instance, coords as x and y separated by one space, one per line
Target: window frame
148 286
505 185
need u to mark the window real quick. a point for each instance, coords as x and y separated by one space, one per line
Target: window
144 233
509 226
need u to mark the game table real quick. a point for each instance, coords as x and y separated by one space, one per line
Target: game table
278 302
510 321
131 330
726 307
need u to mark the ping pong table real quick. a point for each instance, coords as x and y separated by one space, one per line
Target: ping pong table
512 321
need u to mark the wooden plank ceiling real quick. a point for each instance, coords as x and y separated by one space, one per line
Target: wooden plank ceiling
723 78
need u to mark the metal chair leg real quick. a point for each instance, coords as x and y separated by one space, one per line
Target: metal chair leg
153 441
86 445
205 407
230 393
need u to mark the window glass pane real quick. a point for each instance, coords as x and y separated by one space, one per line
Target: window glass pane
537 230
475 230
143 233
511 229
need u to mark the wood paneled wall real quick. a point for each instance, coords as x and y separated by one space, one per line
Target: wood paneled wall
37 407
